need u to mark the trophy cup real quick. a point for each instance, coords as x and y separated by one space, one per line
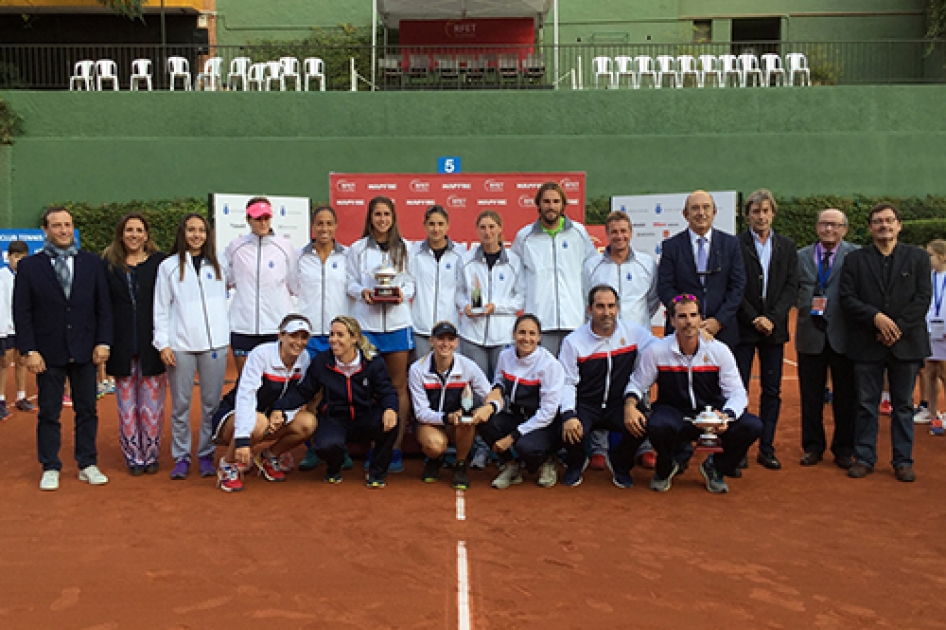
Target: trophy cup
476 298
466 403
385 292
710 423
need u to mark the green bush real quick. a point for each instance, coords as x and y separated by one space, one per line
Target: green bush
96 223
923 231
10 123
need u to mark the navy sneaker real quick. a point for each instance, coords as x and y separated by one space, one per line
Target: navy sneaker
715 482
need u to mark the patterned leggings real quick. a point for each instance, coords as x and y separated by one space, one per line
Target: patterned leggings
140 415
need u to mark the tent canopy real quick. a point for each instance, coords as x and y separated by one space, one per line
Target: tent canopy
392 12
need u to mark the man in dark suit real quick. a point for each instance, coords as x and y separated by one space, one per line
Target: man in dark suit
821 343
63 321
771 265
707 263
885 293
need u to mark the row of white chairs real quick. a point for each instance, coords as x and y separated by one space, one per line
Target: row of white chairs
742 70
243 74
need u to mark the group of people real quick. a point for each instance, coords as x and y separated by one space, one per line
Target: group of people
533 353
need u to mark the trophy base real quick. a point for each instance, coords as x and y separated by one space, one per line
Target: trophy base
479 310
465 419
708 444
386 295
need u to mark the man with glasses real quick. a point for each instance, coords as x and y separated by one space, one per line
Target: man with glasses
821 342
885 294
705 262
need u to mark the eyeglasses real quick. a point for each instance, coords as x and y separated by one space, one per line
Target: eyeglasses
834 225
684 297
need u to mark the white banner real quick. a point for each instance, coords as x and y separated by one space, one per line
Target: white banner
290 218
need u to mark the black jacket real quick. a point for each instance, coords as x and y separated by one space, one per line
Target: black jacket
123 313
779 295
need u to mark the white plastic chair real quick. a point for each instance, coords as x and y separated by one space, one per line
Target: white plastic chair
601 67
82 75
239 68
709 69
447 67
179 68
314 68
749 66
772 67
256 75
273 73
645 68
665 69
290 70
729 67
623 67
140 71
686 67
798 64
210 78
106 70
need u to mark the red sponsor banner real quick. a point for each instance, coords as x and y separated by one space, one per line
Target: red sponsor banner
464 196
472 32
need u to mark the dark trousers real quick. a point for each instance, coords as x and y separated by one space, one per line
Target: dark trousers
331 435
812 380
533 448
612 419
770 378
668 428
869 380
51 385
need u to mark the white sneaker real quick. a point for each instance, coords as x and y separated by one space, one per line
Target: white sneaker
922 416
509 475
93 475
548 476
50 480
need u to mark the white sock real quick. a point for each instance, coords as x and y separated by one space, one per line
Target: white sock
885 397
20 395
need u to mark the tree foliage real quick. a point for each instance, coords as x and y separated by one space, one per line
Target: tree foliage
10 123
936 19
132 9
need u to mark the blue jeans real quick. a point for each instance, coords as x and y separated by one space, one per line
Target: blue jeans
869 381
770 377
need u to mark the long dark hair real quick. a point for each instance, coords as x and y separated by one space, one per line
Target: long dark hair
208 251
396 246
115 254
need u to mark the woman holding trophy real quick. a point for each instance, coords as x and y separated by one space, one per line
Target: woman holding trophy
380 283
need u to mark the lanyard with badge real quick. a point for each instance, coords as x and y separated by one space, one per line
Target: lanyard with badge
820 301
937 327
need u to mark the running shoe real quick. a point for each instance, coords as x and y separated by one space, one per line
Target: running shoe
206 465
181 469
715 482
311 461
25 406
4 412
431 473
229 477
267 466
548 476
397 461
597 462
375 482
508 476
461 480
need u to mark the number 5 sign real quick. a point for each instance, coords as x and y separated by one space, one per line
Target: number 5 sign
449 165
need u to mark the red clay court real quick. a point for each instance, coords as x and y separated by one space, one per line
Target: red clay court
796 548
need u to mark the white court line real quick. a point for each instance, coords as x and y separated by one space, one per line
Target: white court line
463 588
790 362
461 506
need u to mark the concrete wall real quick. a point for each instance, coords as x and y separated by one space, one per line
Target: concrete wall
120 146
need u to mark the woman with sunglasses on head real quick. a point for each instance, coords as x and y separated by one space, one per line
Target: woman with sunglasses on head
192 332
244 419
525 400
435 265
132 261
358 401
381 255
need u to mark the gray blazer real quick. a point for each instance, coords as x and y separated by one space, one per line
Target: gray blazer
808 339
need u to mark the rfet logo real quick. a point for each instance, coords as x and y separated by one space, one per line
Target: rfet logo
455 201
420 186
570 185
345 186
465 30
525 201
493 185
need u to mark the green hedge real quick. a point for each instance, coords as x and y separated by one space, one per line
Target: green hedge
10 122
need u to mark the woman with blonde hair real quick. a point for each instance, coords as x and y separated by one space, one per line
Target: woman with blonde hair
358 401
934 373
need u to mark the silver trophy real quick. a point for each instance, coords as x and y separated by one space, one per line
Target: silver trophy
710 423
466 403
385 291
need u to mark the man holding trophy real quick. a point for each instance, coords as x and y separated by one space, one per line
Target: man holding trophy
692 374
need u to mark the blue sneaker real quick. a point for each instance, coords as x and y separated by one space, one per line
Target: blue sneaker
715 482
572 476
397 461
347 464
311 461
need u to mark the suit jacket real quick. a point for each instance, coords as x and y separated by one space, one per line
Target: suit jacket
809 339
779 295
725 282
124 316
61 330
904 297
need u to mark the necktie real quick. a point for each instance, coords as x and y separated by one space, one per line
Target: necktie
701 258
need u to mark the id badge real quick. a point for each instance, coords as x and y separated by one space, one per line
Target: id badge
937 329
818 304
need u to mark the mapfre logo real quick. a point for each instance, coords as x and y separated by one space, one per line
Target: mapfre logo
494 186
345 186
455 201
419 186
570 185
525 201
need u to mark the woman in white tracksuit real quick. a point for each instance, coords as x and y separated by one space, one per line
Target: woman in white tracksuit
387 325
435 265
191 331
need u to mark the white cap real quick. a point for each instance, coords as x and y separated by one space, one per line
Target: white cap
295 325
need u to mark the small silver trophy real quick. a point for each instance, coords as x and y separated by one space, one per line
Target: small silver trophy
476 298
710 423
385 291
466 403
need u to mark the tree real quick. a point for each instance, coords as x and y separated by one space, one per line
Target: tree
132 9
936 19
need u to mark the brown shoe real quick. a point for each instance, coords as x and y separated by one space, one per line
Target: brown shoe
904 472
859 470
810 458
